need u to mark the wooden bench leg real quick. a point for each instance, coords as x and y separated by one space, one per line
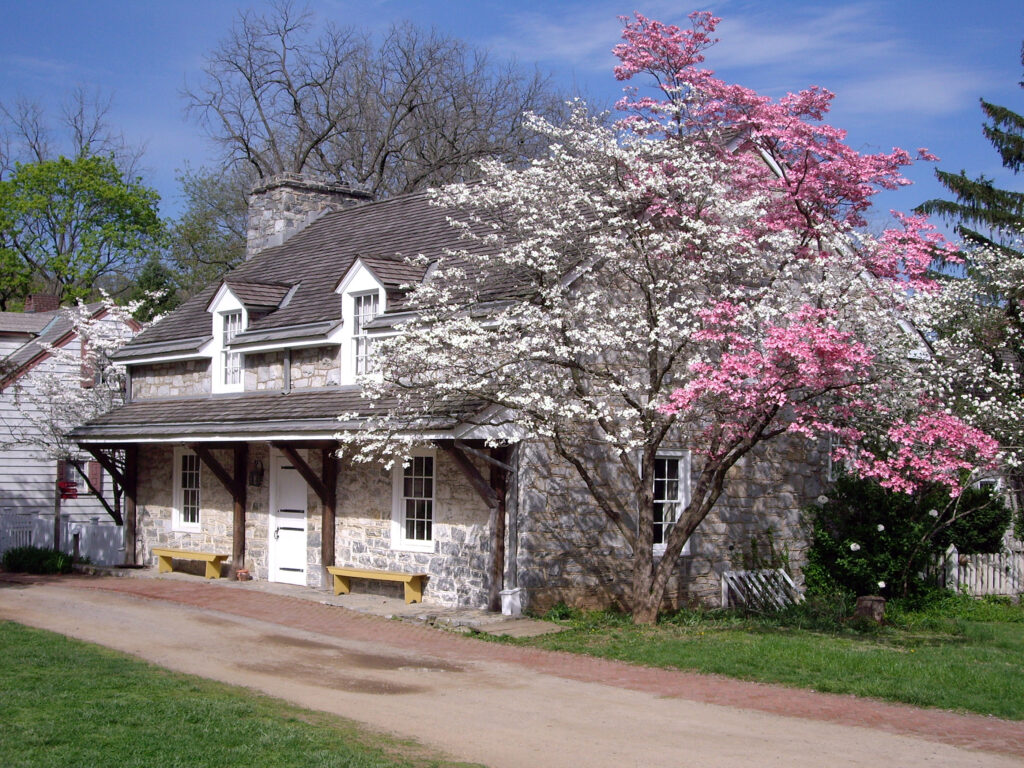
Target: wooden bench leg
341 585
213 569
163 564
414 590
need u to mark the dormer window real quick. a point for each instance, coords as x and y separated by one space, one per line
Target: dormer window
232 326
365 307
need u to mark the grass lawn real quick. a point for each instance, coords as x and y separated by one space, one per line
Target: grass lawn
64 703
960 654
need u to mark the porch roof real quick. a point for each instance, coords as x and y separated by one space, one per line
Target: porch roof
310 414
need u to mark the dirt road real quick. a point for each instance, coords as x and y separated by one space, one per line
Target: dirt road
471 703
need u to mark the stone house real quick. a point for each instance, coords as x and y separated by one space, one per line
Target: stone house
34 486
229 434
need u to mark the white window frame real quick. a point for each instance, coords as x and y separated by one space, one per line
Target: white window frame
232 368
683 490
833 467
362 342
399 541
179 523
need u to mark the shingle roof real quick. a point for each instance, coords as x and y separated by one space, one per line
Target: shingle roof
58 326
303 411
381 233
258 294
25 322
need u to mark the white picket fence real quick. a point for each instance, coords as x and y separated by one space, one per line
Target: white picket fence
761 590
102 543
15 531
988 574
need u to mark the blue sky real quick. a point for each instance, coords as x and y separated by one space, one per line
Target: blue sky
905 72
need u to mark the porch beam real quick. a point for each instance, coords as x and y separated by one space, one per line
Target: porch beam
207 457
107 462
305 470
483 456
468 468
115 515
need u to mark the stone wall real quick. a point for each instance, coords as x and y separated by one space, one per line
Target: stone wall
457 567
570 552
458 564
156 509
177 379
264 371
315 367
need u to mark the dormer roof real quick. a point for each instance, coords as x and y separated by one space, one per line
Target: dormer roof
259 296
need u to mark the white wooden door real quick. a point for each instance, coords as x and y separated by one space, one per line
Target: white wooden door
287 550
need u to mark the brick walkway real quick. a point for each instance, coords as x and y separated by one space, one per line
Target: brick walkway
972 731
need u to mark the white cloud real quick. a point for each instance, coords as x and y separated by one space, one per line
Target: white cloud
926 91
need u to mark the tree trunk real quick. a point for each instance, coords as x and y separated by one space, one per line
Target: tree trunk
645 604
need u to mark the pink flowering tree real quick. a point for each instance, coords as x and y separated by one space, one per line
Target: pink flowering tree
693 275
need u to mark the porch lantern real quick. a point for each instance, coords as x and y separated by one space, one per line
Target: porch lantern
256 474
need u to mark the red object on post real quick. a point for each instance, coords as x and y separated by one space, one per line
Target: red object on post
68 490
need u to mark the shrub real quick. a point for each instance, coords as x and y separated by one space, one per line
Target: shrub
868 540
36 560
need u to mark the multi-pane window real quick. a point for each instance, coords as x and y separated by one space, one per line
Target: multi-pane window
671 495
416 500
232 360
364 309
833 467
188 479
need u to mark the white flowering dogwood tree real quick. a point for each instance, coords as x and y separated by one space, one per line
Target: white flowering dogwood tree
75 382
692 274
976 324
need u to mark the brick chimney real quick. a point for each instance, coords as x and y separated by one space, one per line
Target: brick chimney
288 202
41 302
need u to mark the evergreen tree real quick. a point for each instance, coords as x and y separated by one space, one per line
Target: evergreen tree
986 214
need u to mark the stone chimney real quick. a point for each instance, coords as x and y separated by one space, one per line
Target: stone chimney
286 203
41 302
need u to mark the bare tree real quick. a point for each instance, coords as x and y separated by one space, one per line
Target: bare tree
81 128
412 111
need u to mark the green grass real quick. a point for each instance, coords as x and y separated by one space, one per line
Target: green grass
63 702
957 654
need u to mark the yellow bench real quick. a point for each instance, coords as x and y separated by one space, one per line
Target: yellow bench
213 562
413 581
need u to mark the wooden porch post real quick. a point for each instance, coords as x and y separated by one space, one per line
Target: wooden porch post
238 513
131 483
498 483
329 472
234 483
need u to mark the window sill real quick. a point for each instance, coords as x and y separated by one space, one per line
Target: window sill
423 547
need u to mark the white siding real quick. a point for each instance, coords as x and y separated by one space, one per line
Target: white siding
27 475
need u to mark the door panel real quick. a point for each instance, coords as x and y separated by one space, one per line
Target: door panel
287 523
